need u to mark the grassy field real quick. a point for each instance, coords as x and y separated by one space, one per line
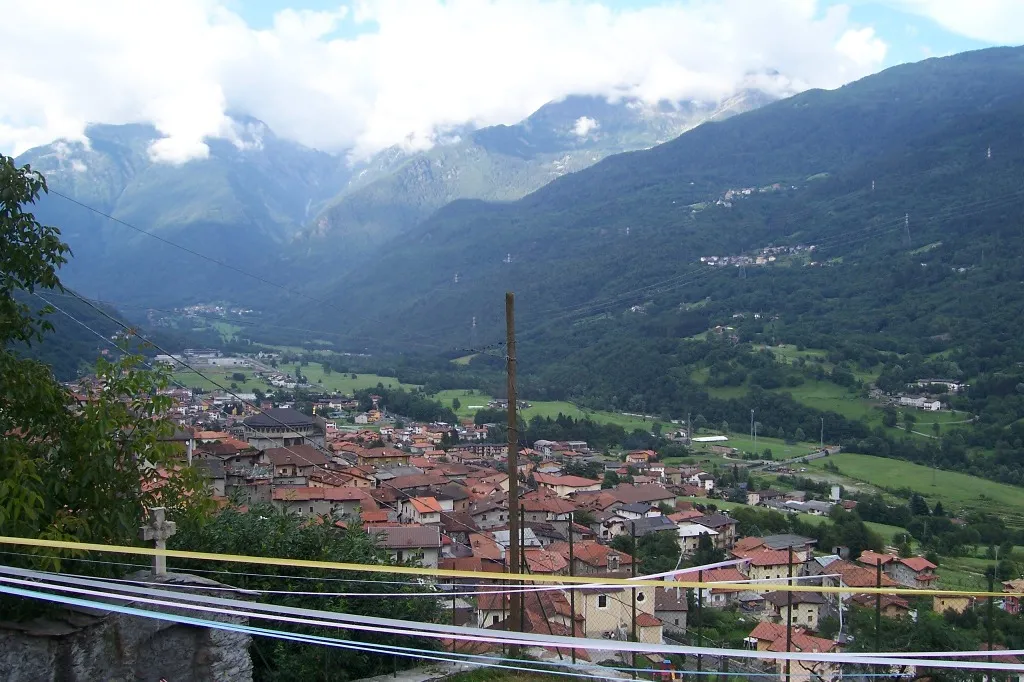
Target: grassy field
221 375
885 530
467 399
726 506
343 382
742 441
553 408
335 381
955 490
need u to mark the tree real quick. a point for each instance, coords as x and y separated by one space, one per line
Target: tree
706 552
938 511
611 479
238 376
584 517
280 534
456 404
69 470
799 436
918 506
889 416
327 368
936 428
909 419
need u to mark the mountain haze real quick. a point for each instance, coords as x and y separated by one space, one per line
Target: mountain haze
398 189
238 205
265 204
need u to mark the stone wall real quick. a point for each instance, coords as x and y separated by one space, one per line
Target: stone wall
88 645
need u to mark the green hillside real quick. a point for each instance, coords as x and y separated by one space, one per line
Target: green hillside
907 186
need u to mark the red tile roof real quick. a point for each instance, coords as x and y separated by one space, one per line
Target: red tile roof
329 494
918 564
769 632
853 575
544 561
426 505
300 455
716 575
803 642
569 481
646 620
766 557
591 553
869 558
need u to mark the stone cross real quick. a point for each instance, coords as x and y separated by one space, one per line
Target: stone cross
158 530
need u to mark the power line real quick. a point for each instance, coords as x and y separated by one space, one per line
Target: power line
193 252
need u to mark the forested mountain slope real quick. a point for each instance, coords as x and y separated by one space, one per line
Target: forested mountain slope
70 348
919 132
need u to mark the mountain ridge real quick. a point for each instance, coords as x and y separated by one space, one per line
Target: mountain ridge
568 241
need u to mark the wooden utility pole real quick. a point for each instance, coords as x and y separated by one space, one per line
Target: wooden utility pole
789 613
514 548
572 587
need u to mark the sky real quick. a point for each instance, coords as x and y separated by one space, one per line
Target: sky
362 75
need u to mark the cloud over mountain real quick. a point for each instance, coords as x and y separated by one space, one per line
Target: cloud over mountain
394 71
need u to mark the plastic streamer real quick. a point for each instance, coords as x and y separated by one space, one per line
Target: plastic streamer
420 572
397 650
394 626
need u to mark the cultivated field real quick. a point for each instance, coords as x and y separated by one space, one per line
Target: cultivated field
956 491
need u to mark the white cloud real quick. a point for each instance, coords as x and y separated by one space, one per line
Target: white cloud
862 46
406 69
583 126
1000 22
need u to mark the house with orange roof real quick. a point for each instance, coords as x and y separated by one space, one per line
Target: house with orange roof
539 560
360 477
375 517
892 606
318 501
382 457
848 574
721 595
542 509
767 636
544 613
563 486
640 457
765 564
608 611
591 558
422 510
680 517
1014 590
916 572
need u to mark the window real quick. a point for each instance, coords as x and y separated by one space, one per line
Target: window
398 556
677 621
602 601
494 620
